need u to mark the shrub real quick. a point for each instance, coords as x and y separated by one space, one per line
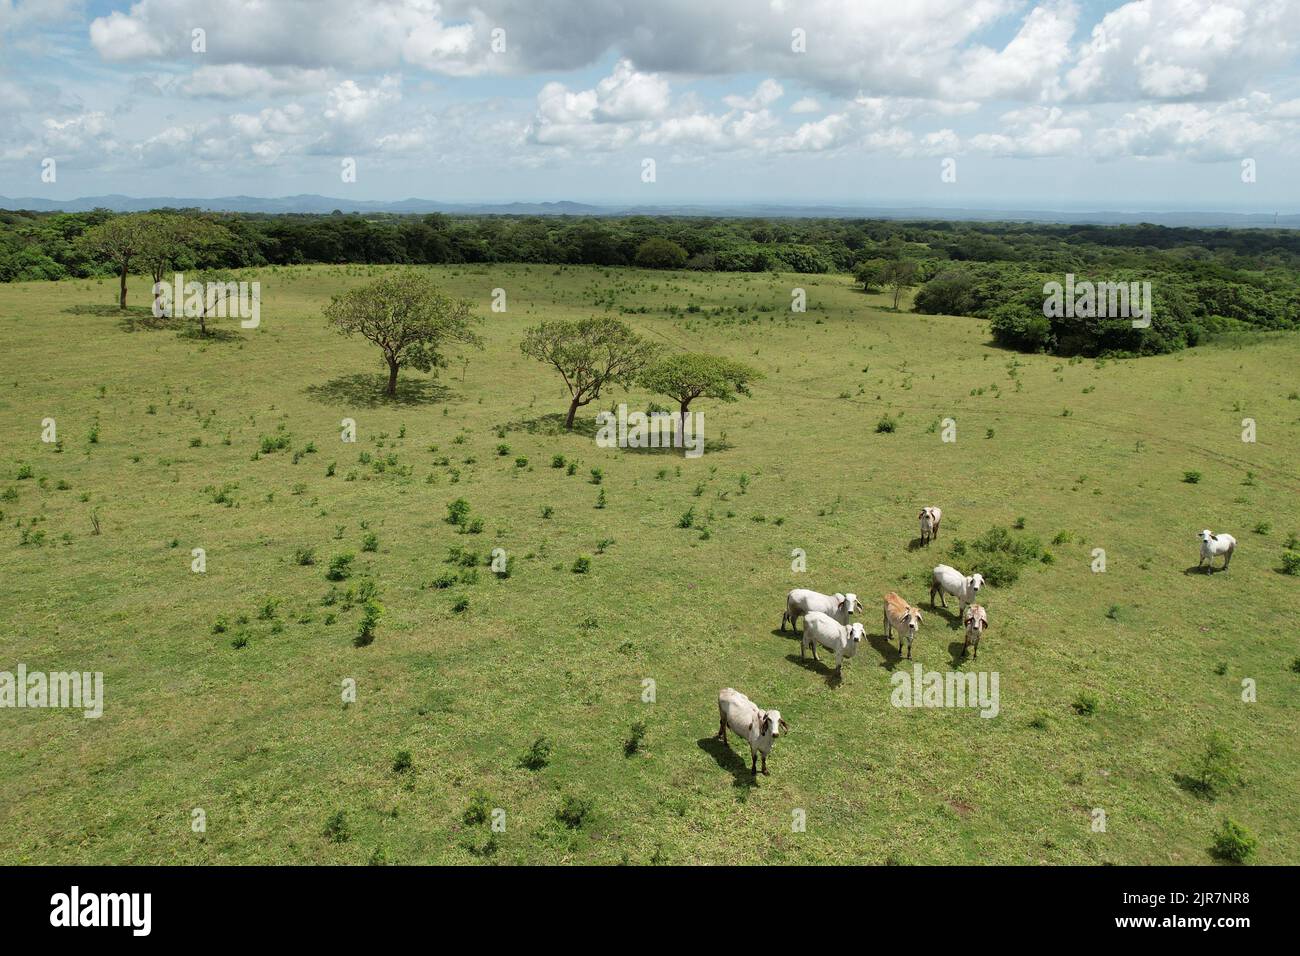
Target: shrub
1192 477
336 827
503 450
582 564
1217 771
458 512
340 567
573 812
687 520
370 614
1290 562
886 426
304 557
999 555
1085 704
633 743
547 511
370 542
402 762
597 476
538 755
1263 527
461 605
1233 842
557 461
477 812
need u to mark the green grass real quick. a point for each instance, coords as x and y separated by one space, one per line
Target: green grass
211 705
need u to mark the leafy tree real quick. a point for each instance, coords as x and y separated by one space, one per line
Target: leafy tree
660 253
408 317
120 241
897 275
869 274
173 238
687 376
589 354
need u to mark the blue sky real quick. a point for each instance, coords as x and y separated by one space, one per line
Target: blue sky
1152 104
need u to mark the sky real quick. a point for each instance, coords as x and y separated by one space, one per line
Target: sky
1060 104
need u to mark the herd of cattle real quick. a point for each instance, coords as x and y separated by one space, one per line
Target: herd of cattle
826 623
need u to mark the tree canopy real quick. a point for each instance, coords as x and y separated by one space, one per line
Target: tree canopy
408 317
589 354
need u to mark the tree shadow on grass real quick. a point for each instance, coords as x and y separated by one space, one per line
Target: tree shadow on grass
818 666
109 310
191 334
553 424
728 760
367 390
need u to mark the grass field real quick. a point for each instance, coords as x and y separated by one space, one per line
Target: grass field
1089 454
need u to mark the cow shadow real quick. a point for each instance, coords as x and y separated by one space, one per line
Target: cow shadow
818 667
728 760
916 544
777 632
890 655
1203 569
949 614
957 650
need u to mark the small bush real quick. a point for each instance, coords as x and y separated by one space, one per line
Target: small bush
461 605
304 557
538 755
370 614
633 743
477 812
1233 842
582 564
402 762
886 426
337 829
557 461
370 542
597 476
574 812
1217 771
340 567
687 520
1085 704
1192 477
458 512
1290 562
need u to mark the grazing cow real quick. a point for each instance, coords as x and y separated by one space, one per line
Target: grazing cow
902 617
800 601
929 524
946 580
843 639
1213 545
977 622
759 727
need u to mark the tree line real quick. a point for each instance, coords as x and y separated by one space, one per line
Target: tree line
1205 281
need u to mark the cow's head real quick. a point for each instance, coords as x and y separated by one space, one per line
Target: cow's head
1205 536
770 722
856 633
913 619
852 603
975 619
975 582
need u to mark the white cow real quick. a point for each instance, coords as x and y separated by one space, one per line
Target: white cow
801 600
843 639
977 622
930 518
946 580
1213 545
759 727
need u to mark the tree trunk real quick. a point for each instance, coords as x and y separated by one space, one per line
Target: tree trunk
573 411
392 377
121 296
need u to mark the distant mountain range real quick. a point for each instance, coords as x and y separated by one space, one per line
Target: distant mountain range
324 205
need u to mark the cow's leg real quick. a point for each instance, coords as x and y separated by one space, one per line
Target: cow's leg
753 763
765 773
722 729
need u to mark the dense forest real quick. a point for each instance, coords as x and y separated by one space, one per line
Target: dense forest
1203 281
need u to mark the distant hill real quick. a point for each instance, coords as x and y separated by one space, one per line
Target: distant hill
323 205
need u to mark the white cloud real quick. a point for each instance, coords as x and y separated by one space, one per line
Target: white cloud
233 81
806 105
